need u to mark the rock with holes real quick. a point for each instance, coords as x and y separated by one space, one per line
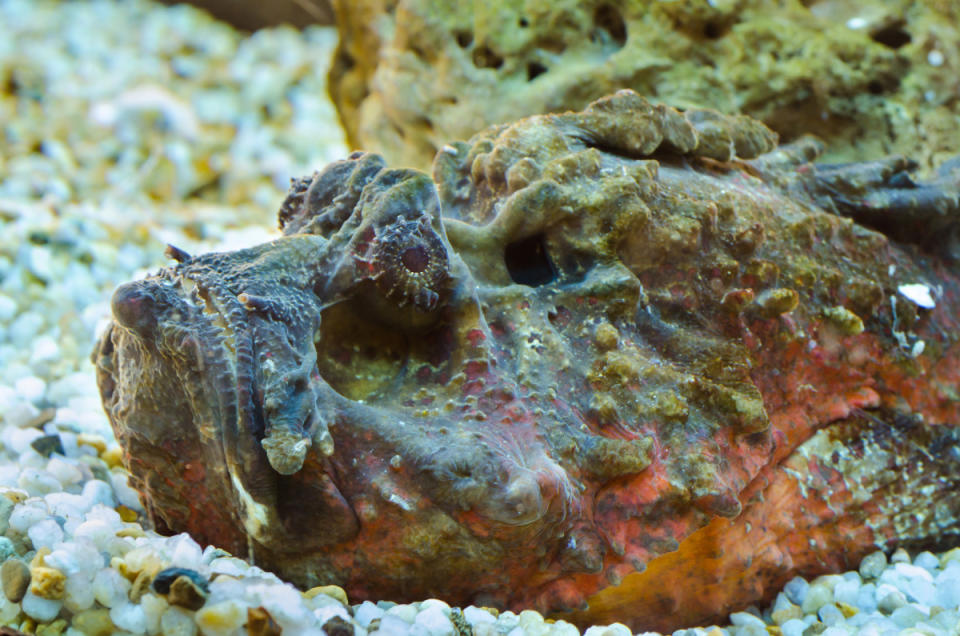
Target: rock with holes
626 362
875 77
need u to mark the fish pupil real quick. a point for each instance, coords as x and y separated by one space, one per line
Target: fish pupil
415 259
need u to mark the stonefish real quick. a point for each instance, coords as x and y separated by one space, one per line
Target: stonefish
632 363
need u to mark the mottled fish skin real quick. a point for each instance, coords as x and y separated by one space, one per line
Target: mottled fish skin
632 363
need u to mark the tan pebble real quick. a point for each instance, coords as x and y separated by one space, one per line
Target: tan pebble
140 586
89 439
49 583
260 623
132 532
948 556
112 457
39 558
334 591
221 618
781 616
15 495
93 622
185 593
55 628
829 580
492 610
774 630
15 576
136 561
846 609
127 514
28 626
818 595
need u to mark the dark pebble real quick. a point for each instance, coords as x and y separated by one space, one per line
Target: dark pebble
182 587
165 578
185 593
460 622
338 626
48 445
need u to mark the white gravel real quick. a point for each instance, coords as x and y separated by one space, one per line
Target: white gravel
128 125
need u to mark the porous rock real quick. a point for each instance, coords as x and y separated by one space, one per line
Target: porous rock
873 77
588 366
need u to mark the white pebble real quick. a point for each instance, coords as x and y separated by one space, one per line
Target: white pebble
30 388
20 414
8 307
793 627
435 622
71 386
866 598
153 608
846 591
475 615
79 593
41 610
24 328
927 560
435 602
96 492
177 622
365 612
129 617
830 615
38 483
44 534
25 515
184 551
746 618
948 591
907 616
617 629
407 613
45 349
231 566
796 590
889 598
912 571
64 471
8 611
110 588
126 495
39 262
393 624
96 531
935 58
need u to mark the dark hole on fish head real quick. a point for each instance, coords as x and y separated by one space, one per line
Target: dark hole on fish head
528 262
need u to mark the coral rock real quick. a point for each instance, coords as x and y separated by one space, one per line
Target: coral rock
591 365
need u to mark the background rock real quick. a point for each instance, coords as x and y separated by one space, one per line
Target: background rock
872 78
251 15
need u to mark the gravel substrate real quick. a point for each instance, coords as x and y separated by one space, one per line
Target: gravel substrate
128 125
